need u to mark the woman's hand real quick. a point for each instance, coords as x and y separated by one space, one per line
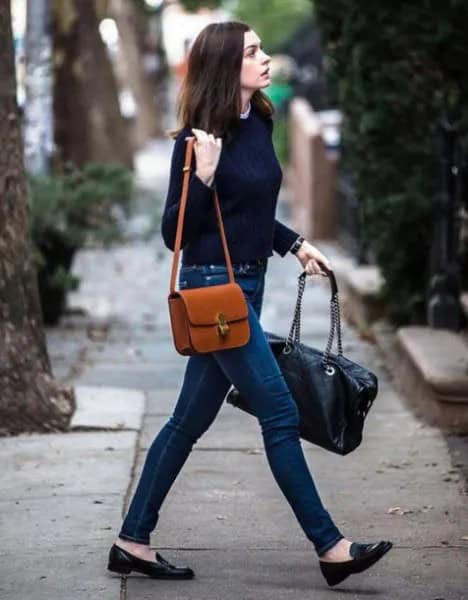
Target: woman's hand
207 152
312 259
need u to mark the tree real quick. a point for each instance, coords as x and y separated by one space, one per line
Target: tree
130 23
29 398
273 20
38 125
88 124
397 73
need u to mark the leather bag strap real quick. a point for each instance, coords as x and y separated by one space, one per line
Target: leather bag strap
180 220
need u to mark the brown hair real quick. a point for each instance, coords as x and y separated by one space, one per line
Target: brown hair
210 94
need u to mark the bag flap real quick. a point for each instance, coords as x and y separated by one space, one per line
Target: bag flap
205 303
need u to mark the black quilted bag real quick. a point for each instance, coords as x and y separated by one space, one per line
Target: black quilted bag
333 394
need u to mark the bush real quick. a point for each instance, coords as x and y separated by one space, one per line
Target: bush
397 72
83 205
79 207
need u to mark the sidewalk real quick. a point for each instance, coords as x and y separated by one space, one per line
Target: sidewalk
63 496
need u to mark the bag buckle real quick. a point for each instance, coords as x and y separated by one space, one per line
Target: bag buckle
223 325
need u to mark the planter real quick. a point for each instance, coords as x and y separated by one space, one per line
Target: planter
54 277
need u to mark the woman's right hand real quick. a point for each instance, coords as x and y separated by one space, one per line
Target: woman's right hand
207 153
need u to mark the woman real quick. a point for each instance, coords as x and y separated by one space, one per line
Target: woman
222 104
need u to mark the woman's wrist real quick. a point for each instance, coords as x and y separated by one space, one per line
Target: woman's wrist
297 245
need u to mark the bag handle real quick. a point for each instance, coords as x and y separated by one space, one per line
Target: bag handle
180 220
335 318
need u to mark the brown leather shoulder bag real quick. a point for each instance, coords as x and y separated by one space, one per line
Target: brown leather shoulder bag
208 318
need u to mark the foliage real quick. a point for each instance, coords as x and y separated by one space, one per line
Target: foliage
280 93
397 72
81 204
69 210
194 5
274 21
61 278
280 138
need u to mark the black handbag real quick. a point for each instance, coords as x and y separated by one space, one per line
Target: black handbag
333 394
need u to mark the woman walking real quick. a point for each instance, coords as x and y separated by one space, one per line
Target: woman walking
222 105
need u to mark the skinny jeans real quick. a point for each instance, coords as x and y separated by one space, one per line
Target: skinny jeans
254 371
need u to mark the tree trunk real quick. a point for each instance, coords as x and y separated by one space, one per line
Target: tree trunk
29 398
157 69
88 123
38 124
127 18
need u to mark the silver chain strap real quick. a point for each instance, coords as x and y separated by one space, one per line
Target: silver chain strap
335 324
295 331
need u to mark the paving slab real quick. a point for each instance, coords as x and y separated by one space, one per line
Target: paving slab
60 502
65 463
142 377
107 407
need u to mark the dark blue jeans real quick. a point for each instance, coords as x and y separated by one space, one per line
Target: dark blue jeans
254 371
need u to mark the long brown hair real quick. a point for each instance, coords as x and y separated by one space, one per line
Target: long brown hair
210 94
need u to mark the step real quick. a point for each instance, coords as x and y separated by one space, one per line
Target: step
432 373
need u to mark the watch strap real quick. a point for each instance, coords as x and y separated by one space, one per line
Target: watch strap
297 244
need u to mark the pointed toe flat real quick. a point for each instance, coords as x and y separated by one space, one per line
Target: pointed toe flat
363 557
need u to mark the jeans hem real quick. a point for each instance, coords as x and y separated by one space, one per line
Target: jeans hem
130 538
329 545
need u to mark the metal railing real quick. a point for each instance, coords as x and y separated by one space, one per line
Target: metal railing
443 307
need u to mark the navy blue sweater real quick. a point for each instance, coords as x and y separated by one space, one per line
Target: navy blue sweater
247 180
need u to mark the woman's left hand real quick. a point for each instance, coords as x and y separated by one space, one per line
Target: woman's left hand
312 259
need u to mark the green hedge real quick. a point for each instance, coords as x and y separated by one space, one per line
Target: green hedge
398 67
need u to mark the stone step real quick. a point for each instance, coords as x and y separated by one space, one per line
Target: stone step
433 375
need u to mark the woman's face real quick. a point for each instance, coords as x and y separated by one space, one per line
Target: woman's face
254 63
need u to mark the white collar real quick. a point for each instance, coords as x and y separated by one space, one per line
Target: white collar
245 114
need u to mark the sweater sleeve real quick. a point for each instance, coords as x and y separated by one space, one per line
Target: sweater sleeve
283 238
199 198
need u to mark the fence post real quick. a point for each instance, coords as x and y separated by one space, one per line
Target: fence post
443 303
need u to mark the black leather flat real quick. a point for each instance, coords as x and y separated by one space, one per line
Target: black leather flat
122 562
364 556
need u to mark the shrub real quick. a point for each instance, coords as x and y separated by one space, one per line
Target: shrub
83 205
69 210
398 70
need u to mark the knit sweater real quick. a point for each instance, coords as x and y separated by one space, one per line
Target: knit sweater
247 181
